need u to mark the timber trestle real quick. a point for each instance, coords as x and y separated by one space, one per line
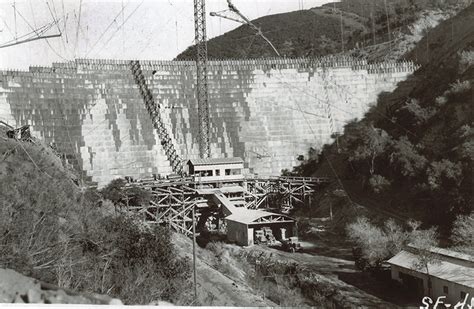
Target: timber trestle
172 201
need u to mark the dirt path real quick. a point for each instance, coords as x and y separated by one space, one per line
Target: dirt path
330 272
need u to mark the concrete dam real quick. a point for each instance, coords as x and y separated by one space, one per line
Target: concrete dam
137 118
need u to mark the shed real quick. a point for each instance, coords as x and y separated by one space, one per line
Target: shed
242 224
452 275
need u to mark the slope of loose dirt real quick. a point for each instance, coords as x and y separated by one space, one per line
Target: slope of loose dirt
215 288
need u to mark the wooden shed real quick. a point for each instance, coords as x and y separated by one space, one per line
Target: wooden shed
241 225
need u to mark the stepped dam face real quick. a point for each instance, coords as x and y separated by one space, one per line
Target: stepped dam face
267 112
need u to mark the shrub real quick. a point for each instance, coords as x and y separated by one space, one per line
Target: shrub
114 191
52 231
463 233
378 183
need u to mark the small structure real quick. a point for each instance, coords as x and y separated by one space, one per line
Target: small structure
451 276
243 225
216 171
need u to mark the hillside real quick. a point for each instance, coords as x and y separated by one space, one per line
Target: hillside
362 25
412 153
74 239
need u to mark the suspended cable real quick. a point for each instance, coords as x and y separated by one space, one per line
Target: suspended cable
326 157
77 28
14 12
31 159
65 19
46 38
8 28
118 29
39 31
56 21
106 29
388 24
28 40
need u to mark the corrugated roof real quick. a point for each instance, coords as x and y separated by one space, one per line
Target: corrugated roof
212 161
449 253
446 270
247 216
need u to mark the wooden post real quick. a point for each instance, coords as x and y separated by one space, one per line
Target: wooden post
330 209
194 256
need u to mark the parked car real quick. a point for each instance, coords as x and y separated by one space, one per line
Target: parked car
291 244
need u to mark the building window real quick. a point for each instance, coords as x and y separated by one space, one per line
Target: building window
445 290
227 171
463 295
218 172
236 171
400 275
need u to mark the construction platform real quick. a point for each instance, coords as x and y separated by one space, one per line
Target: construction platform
174 199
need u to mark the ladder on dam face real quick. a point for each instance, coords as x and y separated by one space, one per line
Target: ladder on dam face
158 124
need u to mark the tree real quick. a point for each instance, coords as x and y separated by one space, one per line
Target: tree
463 233
413 115
444 174
367 143
422 242
406 158
378 183
114 191
369 239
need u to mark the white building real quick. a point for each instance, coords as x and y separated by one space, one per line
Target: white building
452 275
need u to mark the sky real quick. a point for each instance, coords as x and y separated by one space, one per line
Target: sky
115 29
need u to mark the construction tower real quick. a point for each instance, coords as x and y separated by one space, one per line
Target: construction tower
201 71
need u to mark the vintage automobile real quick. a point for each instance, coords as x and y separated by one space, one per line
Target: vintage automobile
291 244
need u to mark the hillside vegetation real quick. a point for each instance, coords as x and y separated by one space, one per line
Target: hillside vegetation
332 28
412 154
55 232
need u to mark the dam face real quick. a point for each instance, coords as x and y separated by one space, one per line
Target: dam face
266 111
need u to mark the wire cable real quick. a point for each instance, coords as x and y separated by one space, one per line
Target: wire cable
77 28
31 159
47 41
106 29
118 29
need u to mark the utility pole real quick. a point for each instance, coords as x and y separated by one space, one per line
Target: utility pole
201 71
194 255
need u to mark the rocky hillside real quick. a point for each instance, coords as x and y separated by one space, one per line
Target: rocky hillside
68 238
412 153
357 25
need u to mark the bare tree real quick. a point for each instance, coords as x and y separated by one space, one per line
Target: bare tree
422 242
463 233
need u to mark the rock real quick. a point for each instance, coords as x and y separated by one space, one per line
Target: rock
13 283
16 288
34 296
118 302
18 299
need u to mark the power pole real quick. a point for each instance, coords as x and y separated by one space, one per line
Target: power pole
201 70
194 254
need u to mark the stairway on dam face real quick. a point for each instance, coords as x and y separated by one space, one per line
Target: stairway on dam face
267 111
154 110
